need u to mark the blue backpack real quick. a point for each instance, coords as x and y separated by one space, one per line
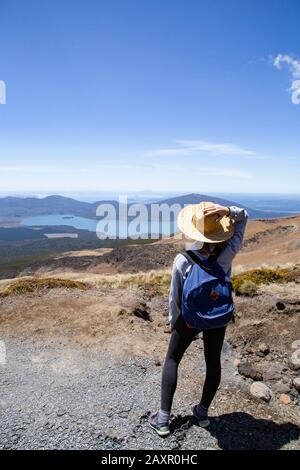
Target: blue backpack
207 294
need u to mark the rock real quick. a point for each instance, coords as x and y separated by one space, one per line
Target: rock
294 393
247 370
294 362
261 391
260 354
263 348
279 387
296 344
157 361
296 383
284 399
142 311
236 362
273 373
280 306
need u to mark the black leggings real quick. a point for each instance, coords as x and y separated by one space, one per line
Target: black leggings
181 338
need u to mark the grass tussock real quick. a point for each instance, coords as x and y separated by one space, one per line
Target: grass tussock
153 282
248 282
24 286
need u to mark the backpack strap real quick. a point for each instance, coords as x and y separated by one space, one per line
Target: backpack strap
191 256
209 265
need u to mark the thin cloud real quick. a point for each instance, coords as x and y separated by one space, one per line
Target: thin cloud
65 169
37 169
194 147
220 149
11 169
204 171
294 68
118 167
293 63
227 172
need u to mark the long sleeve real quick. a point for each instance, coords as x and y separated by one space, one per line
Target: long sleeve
234 244
176 286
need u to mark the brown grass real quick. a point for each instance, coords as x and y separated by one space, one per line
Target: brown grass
23 286
153 282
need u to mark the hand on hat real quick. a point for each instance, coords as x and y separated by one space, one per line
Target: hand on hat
217 209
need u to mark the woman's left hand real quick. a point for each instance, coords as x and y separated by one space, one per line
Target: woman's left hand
216 209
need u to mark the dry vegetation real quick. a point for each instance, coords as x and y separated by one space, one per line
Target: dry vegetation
23 286
248 282
153 282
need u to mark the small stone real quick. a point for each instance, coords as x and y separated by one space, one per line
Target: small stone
261 391
296 344
157 361
263 348
284 399
236 362
60 413
294 393
296 383
260 354
273 373
247 370
279 387
295 360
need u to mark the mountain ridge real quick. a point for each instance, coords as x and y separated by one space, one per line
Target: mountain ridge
55 204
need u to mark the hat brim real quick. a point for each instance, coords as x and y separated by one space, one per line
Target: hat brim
185 225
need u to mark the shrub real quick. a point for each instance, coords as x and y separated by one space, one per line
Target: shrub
248 288
257 277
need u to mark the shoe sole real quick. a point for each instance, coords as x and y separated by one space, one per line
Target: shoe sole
202 423
160 433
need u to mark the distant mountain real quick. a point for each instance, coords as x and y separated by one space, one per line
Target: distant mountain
31 206
195 198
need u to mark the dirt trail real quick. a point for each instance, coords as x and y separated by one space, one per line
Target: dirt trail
83 371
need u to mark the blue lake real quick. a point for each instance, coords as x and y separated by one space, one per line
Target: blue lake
164 227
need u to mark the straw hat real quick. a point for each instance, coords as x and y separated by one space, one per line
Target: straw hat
209 228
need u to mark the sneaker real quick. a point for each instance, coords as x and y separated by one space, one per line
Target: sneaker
202 420
162 430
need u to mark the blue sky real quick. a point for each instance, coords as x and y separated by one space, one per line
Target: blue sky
172 95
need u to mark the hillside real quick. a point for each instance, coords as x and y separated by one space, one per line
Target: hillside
268 242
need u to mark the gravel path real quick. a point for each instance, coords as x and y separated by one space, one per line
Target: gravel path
58 396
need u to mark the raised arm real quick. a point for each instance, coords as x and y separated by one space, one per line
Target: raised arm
234 244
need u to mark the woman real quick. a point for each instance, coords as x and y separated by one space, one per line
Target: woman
216 232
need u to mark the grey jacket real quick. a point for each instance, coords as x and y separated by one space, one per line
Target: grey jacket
181 265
